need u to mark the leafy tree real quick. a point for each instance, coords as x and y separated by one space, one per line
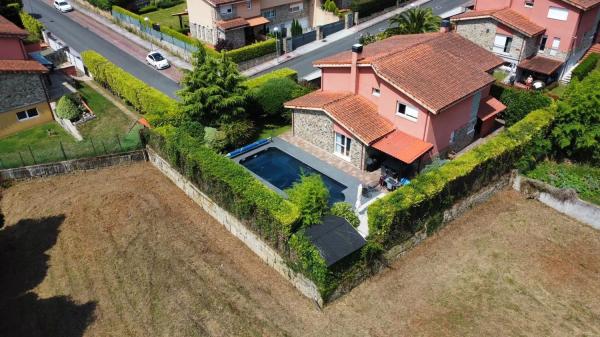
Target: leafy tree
577 126
344 210
331 7
520 102
311 196
213 93
274 93
237 133
296 28
414 21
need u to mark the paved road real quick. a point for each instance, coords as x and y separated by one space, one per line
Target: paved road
303 64
81 38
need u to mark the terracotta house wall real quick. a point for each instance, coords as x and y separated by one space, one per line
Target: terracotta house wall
587 26
243 11
440 126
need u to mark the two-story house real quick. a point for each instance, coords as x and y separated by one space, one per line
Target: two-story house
242 22
23 93
408 97
541 38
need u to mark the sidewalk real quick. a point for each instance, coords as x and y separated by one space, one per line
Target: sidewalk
123 39
318 44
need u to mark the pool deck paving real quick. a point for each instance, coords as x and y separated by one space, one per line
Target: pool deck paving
350 181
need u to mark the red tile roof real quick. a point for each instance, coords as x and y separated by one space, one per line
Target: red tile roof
583 4
435 69
353 112
507 17
403 146
21 66
8 28
540 64
232 24
215 3
490 107
595 48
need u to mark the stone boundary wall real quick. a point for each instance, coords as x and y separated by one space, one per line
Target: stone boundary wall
564 201
64 167
237 228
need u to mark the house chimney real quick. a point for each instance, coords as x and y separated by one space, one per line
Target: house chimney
356 51
445 26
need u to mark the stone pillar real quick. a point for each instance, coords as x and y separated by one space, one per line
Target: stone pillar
348 20
319 33
356 18
287 45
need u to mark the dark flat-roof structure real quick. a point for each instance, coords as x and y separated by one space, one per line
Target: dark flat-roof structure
335 238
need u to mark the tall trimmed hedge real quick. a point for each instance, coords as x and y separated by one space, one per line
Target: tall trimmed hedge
226 182
421 204
279 73
586 66
144 98
307 260
252 51
32 25
519 102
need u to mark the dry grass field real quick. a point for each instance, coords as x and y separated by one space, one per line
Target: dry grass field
123 252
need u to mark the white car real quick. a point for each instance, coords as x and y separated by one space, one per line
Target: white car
63 6
157 60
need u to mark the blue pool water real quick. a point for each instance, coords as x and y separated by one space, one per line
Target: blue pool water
282 171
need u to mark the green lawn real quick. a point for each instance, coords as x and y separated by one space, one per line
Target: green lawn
558 91
582 178
49 142
273 130
164 17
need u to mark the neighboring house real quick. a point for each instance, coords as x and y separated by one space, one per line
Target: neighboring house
542 38
23 93
407 98
242 22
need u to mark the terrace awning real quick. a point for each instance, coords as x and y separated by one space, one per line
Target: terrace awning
402 146
257 21
541 65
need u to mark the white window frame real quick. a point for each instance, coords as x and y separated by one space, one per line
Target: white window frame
37 114
502 44
543 44
297 7
376 92
558 13
410 112
344 143
226 9
555 46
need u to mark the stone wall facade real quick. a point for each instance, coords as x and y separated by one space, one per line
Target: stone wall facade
237 37
317 128
283 16
20 89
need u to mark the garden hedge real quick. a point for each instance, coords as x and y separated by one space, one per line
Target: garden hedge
144 98
520 102
33 26
252 51
307 260
69 107
226 182
421 204
279 73
586 66
368 7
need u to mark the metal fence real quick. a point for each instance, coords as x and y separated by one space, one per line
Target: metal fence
332 28
154 33
34 154
301 40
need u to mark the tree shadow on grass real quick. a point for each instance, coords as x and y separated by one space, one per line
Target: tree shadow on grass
23 265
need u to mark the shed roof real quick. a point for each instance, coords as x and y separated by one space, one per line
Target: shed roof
335 238
506 16
541 65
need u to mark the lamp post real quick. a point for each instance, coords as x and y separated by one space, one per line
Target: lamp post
147 24
276 30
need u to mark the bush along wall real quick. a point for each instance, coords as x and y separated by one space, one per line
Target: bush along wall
586 66
420 205
519 102
142 97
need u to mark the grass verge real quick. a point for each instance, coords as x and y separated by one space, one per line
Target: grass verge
582 178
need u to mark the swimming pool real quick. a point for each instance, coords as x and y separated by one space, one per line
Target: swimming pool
282 171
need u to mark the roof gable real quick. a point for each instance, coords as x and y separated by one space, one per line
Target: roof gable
506 16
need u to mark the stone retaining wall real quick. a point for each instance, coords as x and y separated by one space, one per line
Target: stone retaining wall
563 200
235 226
63 167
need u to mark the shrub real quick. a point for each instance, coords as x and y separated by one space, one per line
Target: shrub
311 196
141 96
368 7
331 7
252 51
237 133
102 4
412 207
275 92
586 66
69 107
520 102
147 9
227 183
344 210
309 262
33 26
279 73
296 28
582 178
